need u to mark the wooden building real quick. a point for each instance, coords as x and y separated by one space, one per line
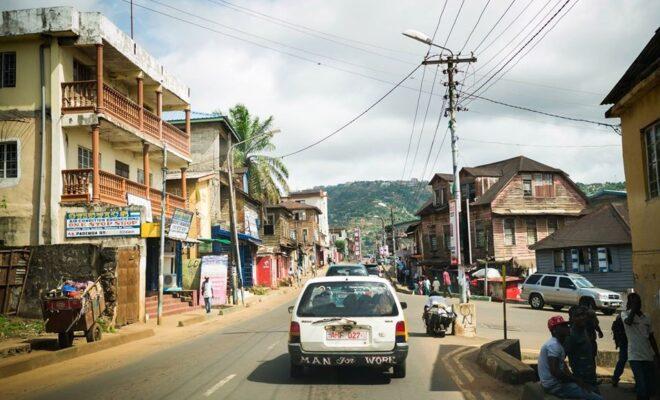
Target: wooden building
512 204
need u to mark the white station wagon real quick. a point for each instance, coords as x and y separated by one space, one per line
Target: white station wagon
348 321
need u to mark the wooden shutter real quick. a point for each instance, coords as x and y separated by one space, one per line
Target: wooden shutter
602 259
575 260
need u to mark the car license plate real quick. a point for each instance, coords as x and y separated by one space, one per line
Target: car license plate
347 335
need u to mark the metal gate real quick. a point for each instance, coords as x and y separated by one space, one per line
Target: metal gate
13 274
128 285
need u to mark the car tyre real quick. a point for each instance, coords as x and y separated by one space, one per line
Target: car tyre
608 311
296 371
536 301
399 370
557 307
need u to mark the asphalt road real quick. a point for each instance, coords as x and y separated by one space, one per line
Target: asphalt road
249 360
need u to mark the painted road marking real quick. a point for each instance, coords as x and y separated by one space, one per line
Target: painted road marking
272 346
219 385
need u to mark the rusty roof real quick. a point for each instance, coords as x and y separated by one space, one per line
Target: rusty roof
294 205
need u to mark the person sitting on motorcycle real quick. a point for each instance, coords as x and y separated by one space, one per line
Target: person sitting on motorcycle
434 298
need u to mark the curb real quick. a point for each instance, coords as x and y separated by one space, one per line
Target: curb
48 358
195 319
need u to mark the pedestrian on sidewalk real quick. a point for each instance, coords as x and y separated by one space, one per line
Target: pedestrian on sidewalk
554 374
446 280
436 284
642 347
579 349
621 343
467 287
207 293
427 286
592 324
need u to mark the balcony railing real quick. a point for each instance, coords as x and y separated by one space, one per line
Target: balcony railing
80 96
77 189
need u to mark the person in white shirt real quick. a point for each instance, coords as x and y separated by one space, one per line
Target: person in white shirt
436 284
642 347
207 293
554 375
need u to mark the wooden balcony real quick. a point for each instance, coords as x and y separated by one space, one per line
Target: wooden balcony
77 189
80 96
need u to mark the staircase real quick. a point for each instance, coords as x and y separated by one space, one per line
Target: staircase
172 304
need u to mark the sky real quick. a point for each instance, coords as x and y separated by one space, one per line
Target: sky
314 65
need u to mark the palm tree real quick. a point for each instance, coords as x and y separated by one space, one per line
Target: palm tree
266 175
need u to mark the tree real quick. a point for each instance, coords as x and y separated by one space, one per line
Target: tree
267 176
340 244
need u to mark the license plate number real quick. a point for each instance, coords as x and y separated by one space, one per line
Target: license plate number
346 335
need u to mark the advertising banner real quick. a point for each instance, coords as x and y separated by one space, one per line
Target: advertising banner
251 222
117 222
215 267
180 224
454 245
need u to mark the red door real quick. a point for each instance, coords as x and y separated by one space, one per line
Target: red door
264 274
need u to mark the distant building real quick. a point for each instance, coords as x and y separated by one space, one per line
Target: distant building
604 196
597 246
319 199
636 100
305 225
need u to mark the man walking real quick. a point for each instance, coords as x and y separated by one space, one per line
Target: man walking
207 293
446 280
436 284
642 347
554 375
621 343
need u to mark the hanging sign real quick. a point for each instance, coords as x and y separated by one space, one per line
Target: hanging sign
118 222
454 245
180 224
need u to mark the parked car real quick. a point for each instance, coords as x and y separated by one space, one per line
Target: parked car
566 289
348 322
374 270
347 270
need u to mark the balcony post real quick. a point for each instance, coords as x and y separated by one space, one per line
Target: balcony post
96 175
187 113
184 185
159 111
99 77
146 168
140 85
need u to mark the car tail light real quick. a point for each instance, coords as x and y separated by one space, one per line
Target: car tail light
401 332
294 332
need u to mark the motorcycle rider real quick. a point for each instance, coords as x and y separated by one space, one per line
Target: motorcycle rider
434 299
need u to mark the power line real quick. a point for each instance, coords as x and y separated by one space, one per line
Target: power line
521 49
354 118
540 145
310 31
494 25
549 114
475 26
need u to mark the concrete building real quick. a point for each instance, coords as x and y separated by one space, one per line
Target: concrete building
319 199
84 141
635 100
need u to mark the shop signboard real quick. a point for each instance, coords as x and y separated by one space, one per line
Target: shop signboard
115 222
454 245
215 267
180 224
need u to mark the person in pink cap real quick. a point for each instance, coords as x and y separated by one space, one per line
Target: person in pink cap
554 374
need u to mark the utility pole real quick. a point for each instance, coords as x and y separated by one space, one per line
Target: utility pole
234 230
132 19
451 62
393 234
161 257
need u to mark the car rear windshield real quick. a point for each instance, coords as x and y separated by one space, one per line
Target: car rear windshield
352 270
347 299
372 270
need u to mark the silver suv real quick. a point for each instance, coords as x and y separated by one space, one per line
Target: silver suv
564 289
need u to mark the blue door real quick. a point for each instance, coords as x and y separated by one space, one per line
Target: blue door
247 265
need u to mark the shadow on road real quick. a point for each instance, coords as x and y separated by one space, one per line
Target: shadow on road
441 379
276 371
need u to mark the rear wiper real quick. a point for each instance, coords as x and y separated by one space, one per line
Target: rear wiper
334 319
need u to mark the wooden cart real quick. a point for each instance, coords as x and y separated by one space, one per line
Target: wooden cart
66 315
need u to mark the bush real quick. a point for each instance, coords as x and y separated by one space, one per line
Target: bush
12 327
259 290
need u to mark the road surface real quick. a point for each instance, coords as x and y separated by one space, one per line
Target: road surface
249 360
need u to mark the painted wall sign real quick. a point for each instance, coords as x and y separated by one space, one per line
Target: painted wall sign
215 267
120 222
180 224
251 222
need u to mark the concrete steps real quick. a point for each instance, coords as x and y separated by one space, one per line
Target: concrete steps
171 305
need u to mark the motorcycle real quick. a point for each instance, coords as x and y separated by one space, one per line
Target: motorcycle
439 319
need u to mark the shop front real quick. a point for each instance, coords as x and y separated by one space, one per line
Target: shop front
248 246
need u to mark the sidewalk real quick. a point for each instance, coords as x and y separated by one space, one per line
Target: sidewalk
44 349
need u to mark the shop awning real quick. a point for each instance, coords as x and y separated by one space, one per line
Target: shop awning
219 233
207 240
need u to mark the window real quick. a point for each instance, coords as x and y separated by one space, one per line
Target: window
566 283
527 185
300 216
85 158
300 201
269 226
121 169
446 236
509 232
439 196
549 281
552 225
8 69
81 72
652 142
585 259
480 234
548 185
533 279
292 234
531 231
558 256
140 177
304 235
8 159
433 242
468 191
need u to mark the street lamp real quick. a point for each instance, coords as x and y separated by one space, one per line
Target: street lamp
422 37
381 204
